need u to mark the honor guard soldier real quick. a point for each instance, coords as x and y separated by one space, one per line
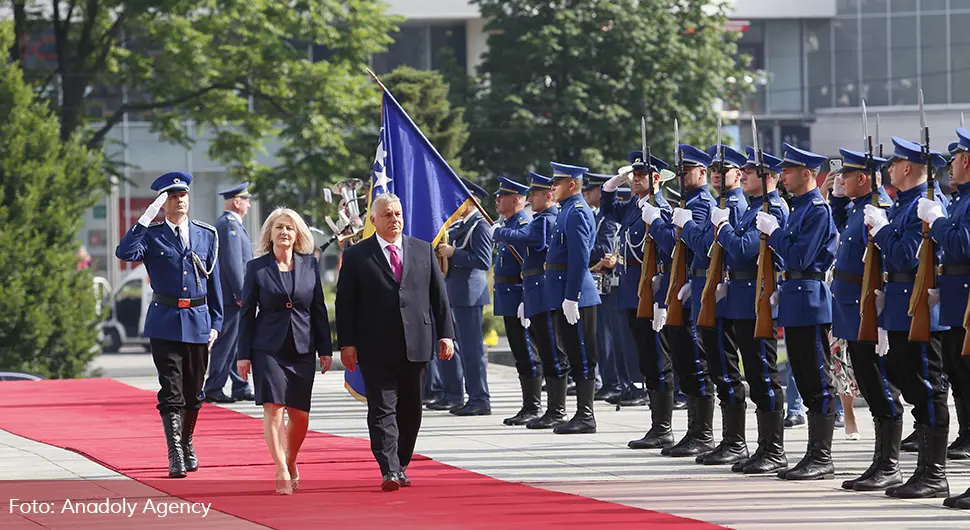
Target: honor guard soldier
235 251
571 292
534 311
740 240
951 233
689 361
469 258
719 342
915 367
602 263
185 315
854 183
651 345
806 245
507 300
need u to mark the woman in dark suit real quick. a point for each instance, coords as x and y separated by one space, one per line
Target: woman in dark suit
282 325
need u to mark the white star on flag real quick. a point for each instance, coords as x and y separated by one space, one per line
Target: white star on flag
380 172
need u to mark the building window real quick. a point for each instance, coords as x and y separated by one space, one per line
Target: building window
424 47
904 55
875 65
752 44
960 57
819 54
847 66
933 63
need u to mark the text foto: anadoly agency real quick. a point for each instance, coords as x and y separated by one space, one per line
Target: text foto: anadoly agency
109 507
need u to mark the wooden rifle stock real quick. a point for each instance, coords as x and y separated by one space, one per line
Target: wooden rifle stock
966 336
764 326
919 303
707 317
647 272
871 282
678 278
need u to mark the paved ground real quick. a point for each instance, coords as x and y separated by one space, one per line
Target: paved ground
596 465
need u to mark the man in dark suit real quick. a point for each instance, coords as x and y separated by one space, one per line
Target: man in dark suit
392 308
236 250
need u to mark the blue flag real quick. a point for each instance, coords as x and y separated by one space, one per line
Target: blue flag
432 195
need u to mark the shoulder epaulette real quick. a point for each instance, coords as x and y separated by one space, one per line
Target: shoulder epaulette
156 223
579 205
819 202
523 221
207 226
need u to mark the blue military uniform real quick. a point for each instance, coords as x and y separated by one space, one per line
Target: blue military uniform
741 240
235 250
186 310
806 244
570 290
467 285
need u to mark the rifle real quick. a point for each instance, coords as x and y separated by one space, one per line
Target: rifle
649 265
764 327
678 272
872 274
919 306
707 316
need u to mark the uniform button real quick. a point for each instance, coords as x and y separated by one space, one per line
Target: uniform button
185 273
850 239
905 291
964 286
161 253
750 284
857 301
799 288
185 288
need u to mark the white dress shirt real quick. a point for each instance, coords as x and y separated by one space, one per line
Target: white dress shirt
184 230
387 254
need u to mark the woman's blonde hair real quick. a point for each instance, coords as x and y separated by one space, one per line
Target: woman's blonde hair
304 239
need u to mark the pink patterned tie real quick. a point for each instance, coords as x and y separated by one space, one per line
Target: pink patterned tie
395 262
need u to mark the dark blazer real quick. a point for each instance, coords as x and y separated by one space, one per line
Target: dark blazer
375 312
266 329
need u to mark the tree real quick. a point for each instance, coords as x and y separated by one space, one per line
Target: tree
238 69
46 186
568 80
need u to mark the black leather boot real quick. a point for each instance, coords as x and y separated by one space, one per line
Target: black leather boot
583 421
920 460
961 502
732 447
817 463
189 418
659 435
960 448
555 405
700 429
739 465
771 427
910 444
931 483
172 424
884 471
531 401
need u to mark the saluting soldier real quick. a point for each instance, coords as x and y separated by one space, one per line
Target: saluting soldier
570 291
689 361
236 250
185 315
507 303
469 257
740 240
953 234
807 247
854 183
916 368
651 345
534 311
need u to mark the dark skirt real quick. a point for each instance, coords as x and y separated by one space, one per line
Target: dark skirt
284 377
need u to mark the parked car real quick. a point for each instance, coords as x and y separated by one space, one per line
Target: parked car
19 376
127 306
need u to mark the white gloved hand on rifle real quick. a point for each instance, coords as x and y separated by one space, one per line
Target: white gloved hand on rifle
880 301
721 291
152 211
570 309
649 213
659 317
929 211
684 293
681 216
882 348
875 218
520 312
934 297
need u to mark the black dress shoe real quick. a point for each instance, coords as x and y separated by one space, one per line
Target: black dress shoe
218 396
443 405
404 480
605 394
431 400
246 395
472 410
390 482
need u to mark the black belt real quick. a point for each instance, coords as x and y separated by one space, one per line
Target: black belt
847 277
528 273
742 275
555 266
899 277
699 272
180 303
804 275
508 279
954 270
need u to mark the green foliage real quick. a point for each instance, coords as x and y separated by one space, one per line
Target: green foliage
46 186
568 80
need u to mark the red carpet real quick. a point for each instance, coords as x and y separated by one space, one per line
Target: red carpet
117 425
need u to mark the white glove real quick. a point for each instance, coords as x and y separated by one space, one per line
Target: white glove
880 301
774 299
152 211
623 175
659 317
213 335
929 211
719 215
655 283
882 348
571 309
875 218
934 298
681 216
520 312
684 293
495 227
838 187
766 223
649 213
720 291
